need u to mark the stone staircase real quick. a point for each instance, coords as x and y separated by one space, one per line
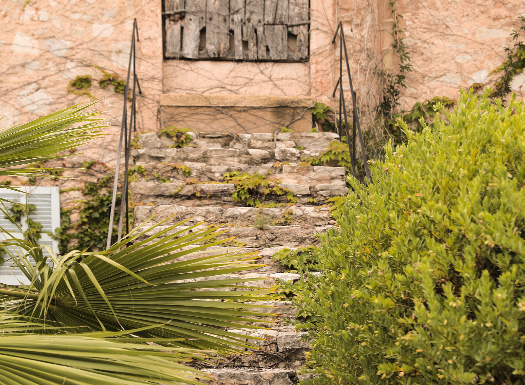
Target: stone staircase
189 183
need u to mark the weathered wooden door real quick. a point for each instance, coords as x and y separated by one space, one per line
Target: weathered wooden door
252 30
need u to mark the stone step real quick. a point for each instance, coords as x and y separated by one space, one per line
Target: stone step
305 216
316 142
278 348
258 280
276 339
286 173
236 113
211 194
218 156
269 237
265 256
246 376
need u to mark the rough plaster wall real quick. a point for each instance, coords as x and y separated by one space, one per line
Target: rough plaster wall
47 43
455 43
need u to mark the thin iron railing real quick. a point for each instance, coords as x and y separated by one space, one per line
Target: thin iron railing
128 126
343 124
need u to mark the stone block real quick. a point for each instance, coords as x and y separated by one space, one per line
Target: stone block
252 377
297 189
235 113
259 156
287 154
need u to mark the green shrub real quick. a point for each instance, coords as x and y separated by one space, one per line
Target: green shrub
423 280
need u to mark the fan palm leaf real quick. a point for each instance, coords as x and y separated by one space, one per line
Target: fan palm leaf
86 359
42 139
143 281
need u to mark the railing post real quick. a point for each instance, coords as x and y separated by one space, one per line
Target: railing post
126 132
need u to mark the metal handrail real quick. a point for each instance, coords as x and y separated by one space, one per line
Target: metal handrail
356 124
126 131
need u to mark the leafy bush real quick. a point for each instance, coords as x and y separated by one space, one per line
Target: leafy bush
423 282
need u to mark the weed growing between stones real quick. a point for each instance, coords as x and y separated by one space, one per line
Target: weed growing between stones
179 135
254 189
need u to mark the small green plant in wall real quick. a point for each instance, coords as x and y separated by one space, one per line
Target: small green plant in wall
180 136
112 80
320 114
80 85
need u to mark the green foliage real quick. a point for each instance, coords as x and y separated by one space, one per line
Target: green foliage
301 259
161 179
337 154
34 230
284 130
41 139
285 220
423 280
254 189
91 229
320 114
186 171
426 110
19 210
513 65
135 143
112 79
179 135
88 164
80 85
422 114
137 170
261 222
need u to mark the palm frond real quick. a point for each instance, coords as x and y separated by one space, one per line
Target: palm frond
42 139
142 282
86 359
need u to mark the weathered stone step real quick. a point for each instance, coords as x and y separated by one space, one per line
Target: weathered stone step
259 141
256 280
276 339
271 236
225 156
305 216
221 193
245 376
274 345
291 173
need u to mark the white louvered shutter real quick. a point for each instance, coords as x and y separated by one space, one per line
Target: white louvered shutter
47 203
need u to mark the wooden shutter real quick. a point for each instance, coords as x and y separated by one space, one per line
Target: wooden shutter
47 203
250 30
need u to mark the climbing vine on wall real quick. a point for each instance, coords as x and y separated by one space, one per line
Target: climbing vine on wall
90 231
394 82
513 65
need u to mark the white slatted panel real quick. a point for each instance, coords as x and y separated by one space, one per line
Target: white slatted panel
47 203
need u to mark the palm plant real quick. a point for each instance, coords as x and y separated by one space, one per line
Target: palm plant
106 306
